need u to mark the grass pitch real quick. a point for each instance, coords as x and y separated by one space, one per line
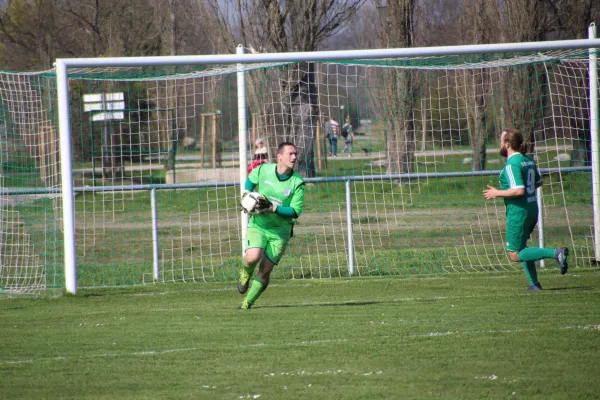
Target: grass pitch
467 336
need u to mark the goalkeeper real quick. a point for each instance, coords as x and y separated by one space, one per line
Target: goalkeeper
271 224
518 181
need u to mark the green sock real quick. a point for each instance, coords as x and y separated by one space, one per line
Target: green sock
535 253
256 290
249 269
530 271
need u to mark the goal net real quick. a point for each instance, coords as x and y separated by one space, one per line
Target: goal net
30 206
422 145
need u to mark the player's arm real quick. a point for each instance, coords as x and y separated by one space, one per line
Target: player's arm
249 185
251 181
297 203
491 192
516 189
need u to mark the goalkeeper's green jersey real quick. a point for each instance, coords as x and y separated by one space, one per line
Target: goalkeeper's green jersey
520 171
287 193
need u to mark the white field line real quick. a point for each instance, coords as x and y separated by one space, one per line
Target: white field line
595 327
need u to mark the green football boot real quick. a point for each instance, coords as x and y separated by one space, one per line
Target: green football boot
245 305
244 281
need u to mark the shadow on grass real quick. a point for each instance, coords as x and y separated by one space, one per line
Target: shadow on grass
572 288
343 304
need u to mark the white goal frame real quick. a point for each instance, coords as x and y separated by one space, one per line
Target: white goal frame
64 64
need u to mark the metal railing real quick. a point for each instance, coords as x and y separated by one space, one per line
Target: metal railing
153 188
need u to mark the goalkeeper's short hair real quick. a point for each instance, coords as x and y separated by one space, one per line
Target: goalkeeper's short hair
282 145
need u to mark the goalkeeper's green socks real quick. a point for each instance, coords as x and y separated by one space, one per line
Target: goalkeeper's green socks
535 253
530 271
249 269
256 290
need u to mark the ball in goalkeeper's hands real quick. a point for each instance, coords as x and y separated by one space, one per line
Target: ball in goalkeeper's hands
254 203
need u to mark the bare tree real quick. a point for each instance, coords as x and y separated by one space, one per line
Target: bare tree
570 20
274 26
37 32
399 90
28 34
475 83
525 89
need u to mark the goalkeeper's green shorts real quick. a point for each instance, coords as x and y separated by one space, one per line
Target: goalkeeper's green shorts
273 244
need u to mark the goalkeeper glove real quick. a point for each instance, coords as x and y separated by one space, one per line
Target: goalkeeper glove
264 205
267 207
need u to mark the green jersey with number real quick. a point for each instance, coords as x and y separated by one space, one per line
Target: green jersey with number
520 171
288 193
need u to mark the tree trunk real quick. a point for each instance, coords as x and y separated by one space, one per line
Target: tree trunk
478 130
400 125
581 155
303 113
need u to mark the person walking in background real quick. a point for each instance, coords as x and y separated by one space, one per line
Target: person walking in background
348 137
518 181
270 230
332 130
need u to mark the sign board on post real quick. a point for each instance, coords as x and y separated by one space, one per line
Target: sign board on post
106 116
104 102
106 107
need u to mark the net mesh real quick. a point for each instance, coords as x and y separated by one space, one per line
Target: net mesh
420 127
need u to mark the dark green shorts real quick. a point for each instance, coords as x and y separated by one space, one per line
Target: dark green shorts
520 222
273 244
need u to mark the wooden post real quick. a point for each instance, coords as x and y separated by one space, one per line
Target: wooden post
42 153
318 146
53 160
219 143
202 132
214 141
254 133
423 124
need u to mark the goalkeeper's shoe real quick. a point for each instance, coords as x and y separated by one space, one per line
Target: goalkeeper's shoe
561 255
245 305
243 281
534 288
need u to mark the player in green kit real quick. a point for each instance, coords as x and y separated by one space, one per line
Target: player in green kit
518 181
270 230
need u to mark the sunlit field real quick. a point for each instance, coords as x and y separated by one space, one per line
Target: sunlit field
467 336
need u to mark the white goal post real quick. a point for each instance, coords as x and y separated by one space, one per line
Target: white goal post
63 67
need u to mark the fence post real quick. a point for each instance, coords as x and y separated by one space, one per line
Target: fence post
154 234
349 227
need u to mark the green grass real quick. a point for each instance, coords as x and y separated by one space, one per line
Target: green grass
467 336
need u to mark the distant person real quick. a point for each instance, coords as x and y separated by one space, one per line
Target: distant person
348 137
518 180
260 148
332 131
260 156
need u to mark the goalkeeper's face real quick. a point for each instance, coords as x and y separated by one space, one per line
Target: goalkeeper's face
287 157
